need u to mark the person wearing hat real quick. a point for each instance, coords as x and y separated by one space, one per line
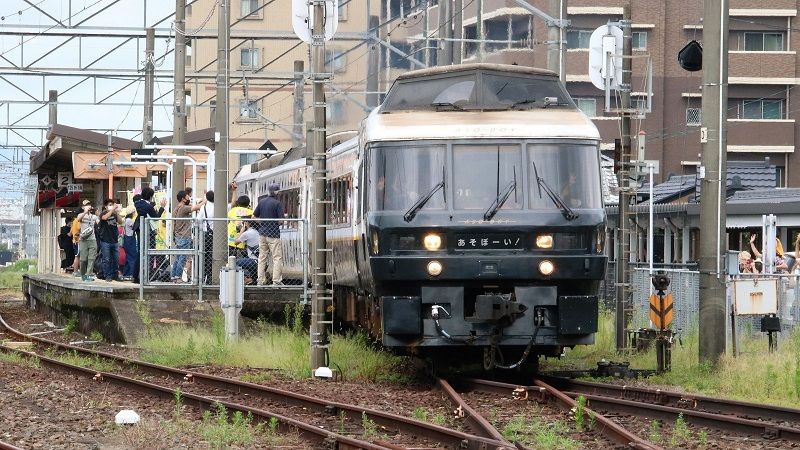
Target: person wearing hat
270 236
780 261
88 241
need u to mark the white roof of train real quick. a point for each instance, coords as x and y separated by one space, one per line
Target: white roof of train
535 123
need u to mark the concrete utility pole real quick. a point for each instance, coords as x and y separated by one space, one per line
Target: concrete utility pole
458 30
220 230
556 48
179 114
713 180
149 69
623 289
425 25
441 33
52 108
479 29
299 104
319 290
373 65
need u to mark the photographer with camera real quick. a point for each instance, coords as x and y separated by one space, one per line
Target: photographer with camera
88 241
108 235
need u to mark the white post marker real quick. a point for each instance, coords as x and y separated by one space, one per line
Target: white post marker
650 232
231 297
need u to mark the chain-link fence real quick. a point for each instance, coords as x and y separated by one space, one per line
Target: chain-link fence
271 252
685 289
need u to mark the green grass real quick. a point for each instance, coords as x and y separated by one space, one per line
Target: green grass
755 375
94 363
11 276
271 346
539 434
222 431
19 360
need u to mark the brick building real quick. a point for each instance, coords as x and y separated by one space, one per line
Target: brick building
762 76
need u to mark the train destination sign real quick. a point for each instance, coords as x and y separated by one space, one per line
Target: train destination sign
488 241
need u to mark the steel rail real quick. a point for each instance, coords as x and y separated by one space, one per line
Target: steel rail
679 400
471 417
447 436
307 431
7 446
543 391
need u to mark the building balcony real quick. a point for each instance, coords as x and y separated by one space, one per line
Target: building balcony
760 67
767 136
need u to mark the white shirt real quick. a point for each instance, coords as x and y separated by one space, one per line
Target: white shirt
206 212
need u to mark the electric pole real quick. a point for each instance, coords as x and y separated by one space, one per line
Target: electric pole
441 33
299 104
149 69
179 114
373 64
458 30
713 180
479 29
220 229
623 289
319 290
425 25
556 56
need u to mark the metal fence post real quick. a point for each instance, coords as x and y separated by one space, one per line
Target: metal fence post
142 256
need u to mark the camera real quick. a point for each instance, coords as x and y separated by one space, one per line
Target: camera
660 281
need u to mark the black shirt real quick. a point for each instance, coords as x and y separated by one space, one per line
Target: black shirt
108 230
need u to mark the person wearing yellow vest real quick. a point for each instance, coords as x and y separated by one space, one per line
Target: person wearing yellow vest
241 210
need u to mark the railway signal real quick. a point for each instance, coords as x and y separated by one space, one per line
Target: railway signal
661 314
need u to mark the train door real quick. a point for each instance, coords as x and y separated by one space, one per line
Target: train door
357 224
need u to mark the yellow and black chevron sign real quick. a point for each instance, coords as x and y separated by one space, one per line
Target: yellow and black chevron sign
661 312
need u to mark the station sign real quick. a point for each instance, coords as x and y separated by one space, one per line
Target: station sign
74 187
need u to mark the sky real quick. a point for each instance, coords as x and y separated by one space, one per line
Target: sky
18 92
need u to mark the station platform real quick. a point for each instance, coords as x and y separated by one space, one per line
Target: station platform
115 309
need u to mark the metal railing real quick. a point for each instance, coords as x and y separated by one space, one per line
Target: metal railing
188 258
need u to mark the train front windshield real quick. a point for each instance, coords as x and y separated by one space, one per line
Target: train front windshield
475 175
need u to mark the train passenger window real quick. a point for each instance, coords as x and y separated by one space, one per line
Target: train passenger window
481 173
571 171
291 204
399 176
339 191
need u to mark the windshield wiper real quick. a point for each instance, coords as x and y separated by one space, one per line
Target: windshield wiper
568 213
501 198
438 105
412 212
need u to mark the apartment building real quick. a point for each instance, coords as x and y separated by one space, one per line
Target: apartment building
263 51
762 69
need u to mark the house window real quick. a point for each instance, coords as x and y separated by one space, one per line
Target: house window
398 61
248 6
247 158
334 113
763 42
760 109
248 109
513 31
578 38
343 4
587 105
249 57
335 60
780 179
639 40
639 103
470 48
694 117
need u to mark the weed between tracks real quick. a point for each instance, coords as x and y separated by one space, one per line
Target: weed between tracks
755 375
269 346
542 435
19 360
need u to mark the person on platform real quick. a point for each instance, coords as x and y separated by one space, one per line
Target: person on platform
206 230
88 245
241 210
65 244
130 246
144 208
75 233
780 261
108 237
251 240
270 236
182 230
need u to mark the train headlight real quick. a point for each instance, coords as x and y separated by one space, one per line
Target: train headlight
546 267
432 242
544 240
434 268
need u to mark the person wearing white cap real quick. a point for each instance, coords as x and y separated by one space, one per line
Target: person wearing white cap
88 241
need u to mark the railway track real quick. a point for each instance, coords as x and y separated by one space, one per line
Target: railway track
202 391
768 422
6 446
